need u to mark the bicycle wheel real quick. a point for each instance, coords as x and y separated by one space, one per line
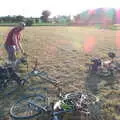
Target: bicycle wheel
90 98
8 87
29 107
72 95
87 96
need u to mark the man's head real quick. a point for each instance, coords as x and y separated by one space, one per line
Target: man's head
21 25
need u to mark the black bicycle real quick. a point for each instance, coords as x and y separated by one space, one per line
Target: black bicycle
9 79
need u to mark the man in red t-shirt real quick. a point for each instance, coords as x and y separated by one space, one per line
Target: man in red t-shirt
12 43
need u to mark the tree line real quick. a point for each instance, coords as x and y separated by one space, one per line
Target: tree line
88 17
44 18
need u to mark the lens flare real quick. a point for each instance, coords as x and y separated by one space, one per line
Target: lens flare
118 16
118 39
91 12
89 44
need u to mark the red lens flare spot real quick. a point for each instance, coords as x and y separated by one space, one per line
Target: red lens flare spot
118 16
91 12
118 39
89 44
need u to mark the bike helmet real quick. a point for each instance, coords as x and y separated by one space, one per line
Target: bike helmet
111 55
22 24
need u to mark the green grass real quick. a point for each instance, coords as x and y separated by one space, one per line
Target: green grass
50 24
8 24
36 24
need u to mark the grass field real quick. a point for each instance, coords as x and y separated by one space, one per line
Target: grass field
61 53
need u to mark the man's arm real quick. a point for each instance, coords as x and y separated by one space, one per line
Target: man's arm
21 48
20 45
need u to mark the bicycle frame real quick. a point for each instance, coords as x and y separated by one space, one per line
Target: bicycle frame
43 75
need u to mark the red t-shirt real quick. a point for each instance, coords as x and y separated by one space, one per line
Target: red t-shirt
14 31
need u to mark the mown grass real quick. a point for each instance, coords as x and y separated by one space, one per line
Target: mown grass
60 52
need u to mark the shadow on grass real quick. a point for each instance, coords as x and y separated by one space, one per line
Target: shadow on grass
94 83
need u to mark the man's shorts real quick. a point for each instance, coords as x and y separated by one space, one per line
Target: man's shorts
11 50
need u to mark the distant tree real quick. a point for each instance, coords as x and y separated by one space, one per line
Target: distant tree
46 13
37 20
19 18
1 21
62 19
12 19
6 19
112 15
55 20
77 17
29 22
68 19
45 16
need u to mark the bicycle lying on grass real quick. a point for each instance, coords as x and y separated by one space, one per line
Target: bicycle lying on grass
104 68
36 106
11 80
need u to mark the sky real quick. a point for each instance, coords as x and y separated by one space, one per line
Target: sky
33 8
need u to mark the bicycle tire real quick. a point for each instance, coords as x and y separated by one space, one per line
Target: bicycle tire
72 95
23 110
91 99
